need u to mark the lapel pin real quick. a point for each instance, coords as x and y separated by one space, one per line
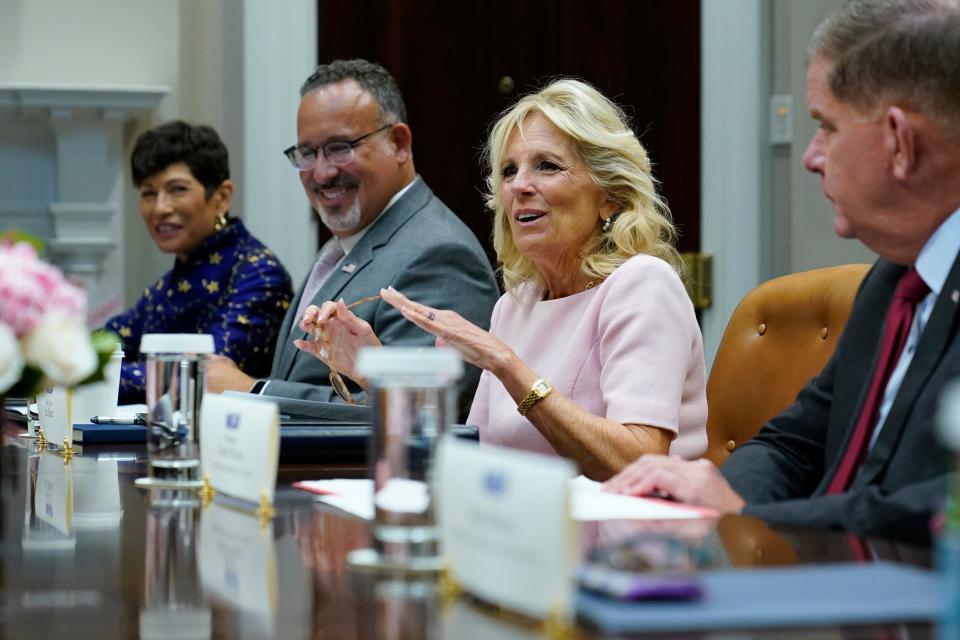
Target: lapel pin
350 268
955 296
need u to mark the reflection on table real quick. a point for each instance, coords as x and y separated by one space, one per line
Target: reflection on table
86 554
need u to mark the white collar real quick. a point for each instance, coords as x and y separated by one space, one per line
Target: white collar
937 256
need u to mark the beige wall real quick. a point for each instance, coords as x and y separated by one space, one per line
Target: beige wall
802 229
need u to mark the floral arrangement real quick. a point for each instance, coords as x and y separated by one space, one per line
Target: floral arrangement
43 334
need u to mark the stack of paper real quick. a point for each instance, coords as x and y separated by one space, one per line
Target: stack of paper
589 501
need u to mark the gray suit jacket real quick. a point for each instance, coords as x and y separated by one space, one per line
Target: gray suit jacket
784 472
420 248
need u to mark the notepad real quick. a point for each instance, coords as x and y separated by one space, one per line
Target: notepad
100 433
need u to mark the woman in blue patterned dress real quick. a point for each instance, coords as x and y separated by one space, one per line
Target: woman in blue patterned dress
224 281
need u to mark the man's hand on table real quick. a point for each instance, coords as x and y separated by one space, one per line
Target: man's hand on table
223 374
696 482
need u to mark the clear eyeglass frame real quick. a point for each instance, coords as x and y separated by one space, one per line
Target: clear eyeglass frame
336 380
339 152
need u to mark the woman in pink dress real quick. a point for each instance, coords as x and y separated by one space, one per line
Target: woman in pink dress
594 352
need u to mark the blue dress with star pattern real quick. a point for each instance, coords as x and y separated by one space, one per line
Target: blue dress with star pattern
232 287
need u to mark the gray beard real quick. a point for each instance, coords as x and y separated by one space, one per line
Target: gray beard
343 221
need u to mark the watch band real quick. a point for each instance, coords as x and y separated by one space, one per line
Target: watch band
258 386
540 390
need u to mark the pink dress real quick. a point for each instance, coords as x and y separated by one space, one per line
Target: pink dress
629 349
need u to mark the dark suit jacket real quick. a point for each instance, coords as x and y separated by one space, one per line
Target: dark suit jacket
419 247
784 472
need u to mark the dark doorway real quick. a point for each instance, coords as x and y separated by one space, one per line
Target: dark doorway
460 63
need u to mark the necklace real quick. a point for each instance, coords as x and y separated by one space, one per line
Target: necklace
590 285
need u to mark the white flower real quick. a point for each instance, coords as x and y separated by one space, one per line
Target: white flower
60 346
11 360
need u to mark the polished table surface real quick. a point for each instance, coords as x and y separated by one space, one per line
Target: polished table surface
130 565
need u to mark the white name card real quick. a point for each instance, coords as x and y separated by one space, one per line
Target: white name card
55 409
240 446
238 563
508 536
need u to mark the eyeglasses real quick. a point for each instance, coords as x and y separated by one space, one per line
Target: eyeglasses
336 380
338 152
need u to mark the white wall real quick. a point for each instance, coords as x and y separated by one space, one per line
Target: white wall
100 42
734 164
107 42
279 52
236 65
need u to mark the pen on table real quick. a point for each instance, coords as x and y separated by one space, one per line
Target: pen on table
110 420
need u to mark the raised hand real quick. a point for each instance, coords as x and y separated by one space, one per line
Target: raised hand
476 346
338 335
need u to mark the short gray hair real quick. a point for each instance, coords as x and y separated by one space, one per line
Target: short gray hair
371 77
907 51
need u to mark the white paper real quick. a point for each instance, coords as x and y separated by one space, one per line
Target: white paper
353 496
240 446
55 411
591 502
504 518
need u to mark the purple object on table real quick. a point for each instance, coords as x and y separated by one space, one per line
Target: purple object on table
626 585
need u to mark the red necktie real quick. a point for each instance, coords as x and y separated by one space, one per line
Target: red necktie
910 291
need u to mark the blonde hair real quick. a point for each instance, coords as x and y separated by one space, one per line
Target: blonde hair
618 165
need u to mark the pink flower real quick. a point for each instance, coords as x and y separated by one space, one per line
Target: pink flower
30 289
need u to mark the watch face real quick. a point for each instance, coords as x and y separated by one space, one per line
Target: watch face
542 387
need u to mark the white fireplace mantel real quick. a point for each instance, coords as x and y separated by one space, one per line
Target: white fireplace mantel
77 96
87 126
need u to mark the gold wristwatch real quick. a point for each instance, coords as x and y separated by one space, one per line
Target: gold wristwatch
540 390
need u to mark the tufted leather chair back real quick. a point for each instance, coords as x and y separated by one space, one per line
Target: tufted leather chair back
780 335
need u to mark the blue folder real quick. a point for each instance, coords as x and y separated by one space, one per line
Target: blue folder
831 594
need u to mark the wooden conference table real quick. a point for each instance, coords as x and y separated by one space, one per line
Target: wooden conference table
126 567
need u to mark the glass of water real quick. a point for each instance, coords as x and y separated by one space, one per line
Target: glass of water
414 400
176 379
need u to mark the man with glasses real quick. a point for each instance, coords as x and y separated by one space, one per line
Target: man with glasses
354 154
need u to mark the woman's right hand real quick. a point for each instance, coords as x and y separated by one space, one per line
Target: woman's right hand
345 335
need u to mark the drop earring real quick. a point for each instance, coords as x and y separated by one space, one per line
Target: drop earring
220 223
607 224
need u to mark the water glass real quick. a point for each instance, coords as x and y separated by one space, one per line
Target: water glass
176 380
414 400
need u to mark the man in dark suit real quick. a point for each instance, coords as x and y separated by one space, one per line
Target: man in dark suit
354 154
858 448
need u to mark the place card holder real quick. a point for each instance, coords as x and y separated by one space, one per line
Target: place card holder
498 505
239 451
55 409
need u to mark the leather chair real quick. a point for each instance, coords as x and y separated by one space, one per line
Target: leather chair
780 335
